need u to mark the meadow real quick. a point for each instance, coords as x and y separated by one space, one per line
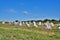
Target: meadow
10 32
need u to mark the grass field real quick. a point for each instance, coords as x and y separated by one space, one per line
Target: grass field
24 33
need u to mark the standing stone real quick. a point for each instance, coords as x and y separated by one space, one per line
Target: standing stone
48 25
52 24
9 23
3 22
59 26
15 23
34 23
20 23
23 22
27 24
40 23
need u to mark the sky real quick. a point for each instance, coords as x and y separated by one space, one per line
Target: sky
11 10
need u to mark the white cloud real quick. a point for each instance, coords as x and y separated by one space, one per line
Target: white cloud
11 11
25 12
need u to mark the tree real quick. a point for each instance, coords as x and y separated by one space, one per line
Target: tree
16 21
46 20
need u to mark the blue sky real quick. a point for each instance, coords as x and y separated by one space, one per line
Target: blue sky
11 10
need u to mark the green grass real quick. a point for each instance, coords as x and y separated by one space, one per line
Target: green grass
17 33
